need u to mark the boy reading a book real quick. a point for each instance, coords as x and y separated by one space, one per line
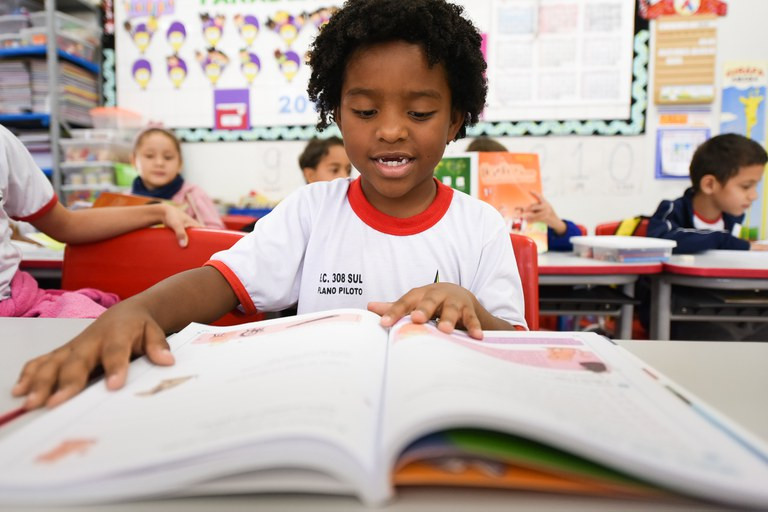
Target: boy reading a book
401 80
725 171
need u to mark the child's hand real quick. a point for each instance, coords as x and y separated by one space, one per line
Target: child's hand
453 305
178 221
542 211
758 246
120 332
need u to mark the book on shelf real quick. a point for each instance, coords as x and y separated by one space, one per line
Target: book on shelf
506 181
332 402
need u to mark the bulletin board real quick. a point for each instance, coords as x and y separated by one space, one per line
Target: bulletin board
235 69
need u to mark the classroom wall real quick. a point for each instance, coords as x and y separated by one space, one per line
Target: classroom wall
587 179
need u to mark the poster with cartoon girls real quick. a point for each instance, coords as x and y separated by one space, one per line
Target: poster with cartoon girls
171 53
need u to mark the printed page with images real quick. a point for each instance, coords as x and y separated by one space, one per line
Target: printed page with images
302 392
578 392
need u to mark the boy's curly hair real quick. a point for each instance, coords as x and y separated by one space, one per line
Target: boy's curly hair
436 25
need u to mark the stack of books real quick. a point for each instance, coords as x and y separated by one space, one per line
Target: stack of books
78 91
15 94
38 143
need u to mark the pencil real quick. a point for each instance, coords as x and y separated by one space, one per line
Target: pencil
11 415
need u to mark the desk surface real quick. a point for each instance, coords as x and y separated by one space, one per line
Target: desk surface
697 366
717 263
35 256
556 263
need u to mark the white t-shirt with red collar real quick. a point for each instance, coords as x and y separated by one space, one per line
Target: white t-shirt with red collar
717 224
325 246
25 194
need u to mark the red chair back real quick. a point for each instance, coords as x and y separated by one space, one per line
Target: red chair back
528 266
130 263
583 229
609 228
237 222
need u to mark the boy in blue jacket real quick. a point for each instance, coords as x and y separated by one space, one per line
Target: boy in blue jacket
725 171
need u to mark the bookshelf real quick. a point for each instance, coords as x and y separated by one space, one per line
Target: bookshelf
58 64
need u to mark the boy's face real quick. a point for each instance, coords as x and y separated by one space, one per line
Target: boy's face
396 119
738 193
333 165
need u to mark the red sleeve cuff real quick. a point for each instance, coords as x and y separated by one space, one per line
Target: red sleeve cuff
42 211
237 286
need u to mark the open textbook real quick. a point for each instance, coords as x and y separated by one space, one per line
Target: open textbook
333 403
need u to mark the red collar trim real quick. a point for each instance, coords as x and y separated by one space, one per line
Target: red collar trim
708 221
393 225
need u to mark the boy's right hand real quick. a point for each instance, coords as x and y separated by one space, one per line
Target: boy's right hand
758 246
122 331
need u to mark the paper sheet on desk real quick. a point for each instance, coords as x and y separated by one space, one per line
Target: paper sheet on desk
31 251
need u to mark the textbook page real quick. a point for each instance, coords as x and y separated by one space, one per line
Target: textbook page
575 391
299 392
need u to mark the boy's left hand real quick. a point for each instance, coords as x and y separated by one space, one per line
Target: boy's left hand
453 305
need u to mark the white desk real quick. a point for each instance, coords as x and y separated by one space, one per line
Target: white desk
558 268
727 270
693 364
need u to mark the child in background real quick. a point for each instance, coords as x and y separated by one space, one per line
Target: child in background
324 160
725 171
27 195
484 144
559 231
401 80
157 158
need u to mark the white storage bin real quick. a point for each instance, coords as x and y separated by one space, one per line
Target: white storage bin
116 118
10 40
104 135
88 174
65 42
93 150
623 249
69 25
13 23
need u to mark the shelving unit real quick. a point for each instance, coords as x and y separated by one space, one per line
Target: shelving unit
53 121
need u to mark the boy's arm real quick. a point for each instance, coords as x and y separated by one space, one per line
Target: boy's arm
453 305
92 224
562 242
666 224
135 326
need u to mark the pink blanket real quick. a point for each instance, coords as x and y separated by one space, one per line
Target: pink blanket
28 300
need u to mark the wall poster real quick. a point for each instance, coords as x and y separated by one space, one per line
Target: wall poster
554 66
743 111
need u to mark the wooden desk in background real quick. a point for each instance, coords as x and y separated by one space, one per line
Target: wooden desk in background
692 364
558 269
718 270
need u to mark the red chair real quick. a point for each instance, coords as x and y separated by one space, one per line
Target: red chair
583 229
527 259
130 263
609 228
237 222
